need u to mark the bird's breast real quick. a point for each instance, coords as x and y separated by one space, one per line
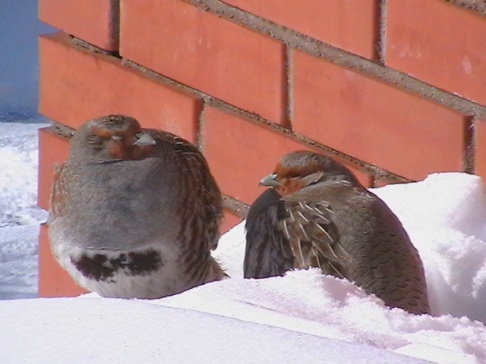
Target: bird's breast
124 204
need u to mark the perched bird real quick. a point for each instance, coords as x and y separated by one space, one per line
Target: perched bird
317 214
134 213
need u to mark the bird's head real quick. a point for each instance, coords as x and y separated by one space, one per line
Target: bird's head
300 169
113 137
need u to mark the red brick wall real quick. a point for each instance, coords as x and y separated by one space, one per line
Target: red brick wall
395 89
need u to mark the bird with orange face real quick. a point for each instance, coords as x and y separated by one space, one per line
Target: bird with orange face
135 213
317 214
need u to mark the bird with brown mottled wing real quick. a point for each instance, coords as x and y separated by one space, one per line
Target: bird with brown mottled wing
317 214
135 213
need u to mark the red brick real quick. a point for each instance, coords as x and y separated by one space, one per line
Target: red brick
230 220
439 43
374 121
480 142
95 21
240 153
53 151
206 52
365 179
351 25
383 181
53 280
76 85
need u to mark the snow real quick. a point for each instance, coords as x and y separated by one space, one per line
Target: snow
19 216
108 330
18 179
445 216
302 317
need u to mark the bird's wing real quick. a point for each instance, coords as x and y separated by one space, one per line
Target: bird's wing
208 207
58 193
292 232
313 236
268 251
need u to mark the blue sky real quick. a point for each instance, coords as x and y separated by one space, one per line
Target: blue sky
19 28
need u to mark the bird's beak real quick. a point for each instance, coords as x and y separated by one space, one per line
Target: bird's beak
144 139
270 181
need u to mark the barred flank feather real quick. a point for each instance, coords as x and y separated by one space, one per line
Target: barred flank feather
201 211
300 236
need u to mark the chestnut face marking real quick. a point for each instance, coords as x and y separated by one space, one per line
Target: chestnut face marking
300 169
289 185
123 139
291 179
101 268
283 185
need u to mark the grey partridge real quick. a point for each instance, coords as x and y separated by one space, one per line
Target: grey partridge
134 213
317 214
